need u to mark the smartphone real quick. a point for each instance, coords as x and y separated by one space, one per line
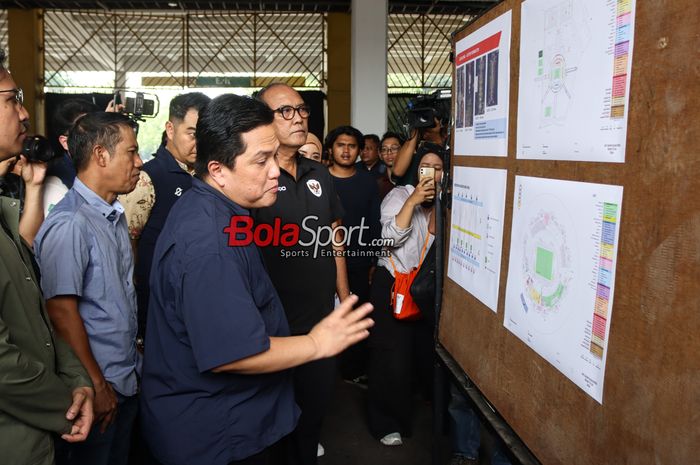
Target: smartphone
427 172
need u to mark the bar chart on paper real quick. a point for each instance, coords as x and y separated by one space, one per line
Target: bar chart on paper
476 232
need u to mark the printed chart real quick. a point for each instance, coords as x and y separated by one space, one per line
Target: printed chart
561 274
482 83
476 232
575 63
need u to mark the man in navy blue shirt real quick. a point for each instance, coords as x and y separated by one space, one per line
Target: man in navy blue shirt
217 387
162 182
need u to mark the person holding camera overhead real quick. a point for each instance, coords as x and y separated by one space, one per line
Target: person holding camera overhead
405 169
397 345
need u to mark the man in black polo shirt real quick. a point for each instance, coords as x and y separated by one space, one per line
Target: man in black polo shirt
161 182
306 277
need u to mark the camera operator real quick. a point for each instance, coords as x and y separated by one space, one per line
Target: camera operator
405 169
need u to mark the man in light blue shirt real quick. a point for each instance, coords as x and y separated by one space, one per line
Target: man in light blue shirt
86 263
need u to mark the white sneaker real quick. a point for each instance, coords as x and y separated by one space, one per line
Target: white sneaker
392 439
320 452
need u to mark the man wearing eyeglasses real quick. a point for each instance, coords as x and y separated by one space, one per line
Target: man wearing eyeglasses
305 283
389 148
43 389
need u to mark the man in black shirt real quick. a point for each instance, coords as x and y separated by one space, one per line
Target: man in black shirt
359 195
306 277
369 154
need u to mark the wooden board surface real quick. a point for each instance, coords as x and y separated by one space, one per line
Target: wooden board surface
651 402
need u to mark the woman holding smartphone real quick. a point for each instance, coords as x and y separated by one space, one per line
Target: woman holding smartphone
397 346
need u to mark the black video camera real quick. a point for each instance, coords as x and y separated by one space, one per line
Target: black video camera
422 111
38 149
137 105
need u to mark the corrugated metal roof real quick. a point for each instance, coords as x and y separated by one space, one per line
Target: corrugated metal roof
473 7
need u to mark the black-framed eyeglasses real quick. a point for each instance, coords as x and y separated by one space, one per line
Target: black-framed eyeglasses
19 94
287 111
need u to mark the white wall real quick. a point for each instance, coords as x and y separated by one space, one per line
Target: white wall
369 69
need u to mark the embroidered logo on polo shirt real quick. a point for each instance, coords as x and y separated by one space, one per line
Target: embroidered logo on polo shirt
315 187
178 191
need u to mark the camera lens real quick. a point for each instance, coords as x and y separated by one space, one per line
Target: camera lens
37 149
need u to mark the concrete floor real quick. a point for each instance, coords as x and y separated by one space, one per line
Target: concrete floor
348 442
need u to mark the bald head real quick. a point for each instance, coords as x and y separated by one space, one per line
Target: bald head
291 133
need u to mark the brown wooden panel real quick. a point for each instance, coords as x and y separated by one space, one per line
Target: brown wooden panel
651 401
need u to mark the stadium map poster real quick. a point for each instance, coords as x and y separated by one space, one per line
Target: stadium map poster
575 63
482 83
561 274
476 231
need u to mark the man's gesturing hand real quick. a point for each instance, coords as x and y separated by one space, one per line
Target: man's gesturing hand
342 328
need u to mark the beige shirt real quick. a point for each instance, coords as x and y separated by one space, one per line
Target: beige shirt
408 243
138 203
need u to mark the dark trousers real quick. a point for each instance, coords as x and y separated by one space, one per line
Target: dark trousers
398 351
261 458
313 387
108 448
353 361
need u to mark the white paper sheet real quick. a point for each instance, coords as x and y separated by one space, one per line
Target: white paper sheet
575 69
476 231
561 274
482 85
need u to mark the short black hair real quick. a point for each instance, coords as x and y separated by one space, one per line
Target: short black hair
395 135
96 128
181 104
344 131
3 57
67 112
221 126
373 137
431 147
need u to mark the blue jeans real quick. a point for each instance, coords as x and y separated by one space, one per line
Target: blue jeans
466 427
108 448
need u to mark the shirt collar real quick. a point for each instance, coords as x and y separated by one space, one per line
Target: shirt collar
171 161
304 165
111 212
201 186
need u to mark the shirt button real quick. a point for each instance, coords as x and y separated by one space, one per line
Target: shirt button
48 344
28 278
12 204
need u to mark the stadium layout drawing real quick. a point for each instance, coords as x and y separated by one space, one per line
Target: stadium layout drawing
575 69
561 274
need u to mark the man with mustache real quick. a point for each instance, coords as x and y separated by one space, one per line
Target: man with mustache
43 388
